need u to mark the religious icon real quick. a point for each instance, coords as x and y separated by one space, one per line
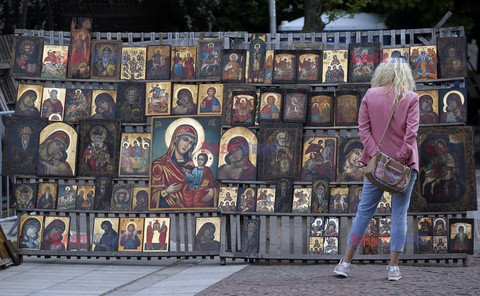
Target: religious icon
453 105
330 245
309 68
184 99
320 195
315 245
183 62
268 77
347 104
210 99
440 244
270 104
319 158
424 244
157 100
106 58
67 197
371 238
256 59
30 234
302 198
423 60
283 195
320 109
247 199
227 104
99 141
237 155
354 197
339 200
227 199
78 103
207 234
429 106
57 150
265 200
364 59
446 173
29 100
349 168
384 245
157 234
316 227
280 157
105 235
335 66
131 102
130 236
135 154
52 103
158 62
122 196
452 56
385 226
103 192
85 197
183 173
233 65
440 227
27 56
55 234
385 204
424 226
396 52
295 105
133 62
47 195
141 196
243 108
209 60
250 236
284 66
332 227
25 195
54 61
104 104
20 143
79 50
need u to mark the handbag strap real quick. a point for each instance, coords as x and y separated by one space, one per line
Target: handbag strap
388 123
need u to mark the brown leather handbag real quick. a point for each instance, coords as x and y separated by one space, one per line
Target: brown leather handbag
385 172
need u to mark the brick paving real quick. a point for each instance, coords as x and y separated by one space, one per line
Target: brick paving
365 279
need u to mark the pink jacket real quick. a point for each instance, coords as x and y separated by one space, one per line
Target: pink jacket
400 141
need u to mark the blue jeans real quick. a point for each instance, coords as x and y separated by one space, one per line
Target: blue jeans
371 196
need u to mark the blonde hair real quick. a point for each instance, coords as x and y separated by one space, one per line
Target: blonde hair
394 73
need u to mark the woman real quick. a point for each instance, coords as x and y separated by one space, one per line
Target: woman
26 104
53 236
29 235
104 107
169 187
237 162
205 238
392 82
52 160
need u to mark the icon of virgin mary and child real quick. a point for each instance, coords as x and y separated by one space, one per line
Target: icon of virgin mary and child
176 182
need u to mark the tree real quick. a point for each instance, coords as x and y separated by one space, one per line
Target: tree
334 9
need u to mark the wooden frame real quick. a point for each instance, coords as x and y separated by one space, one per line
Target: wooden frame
256 59
280 157
453 105
78 104
335 66
271 105
363 59
309 66
133 62
183 62
347 105
158 62
209 59
320 109
234 65
445 162
54 61
458 242
27 56
349 169
295 103
79 58
243 108
131 102
429 106
452 57
284 66
105 59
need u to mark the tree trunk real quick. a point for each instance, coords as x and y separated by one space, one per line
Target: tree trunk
313 16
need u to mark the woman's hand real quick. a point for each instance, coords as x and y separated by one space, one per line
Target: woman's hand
174 188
